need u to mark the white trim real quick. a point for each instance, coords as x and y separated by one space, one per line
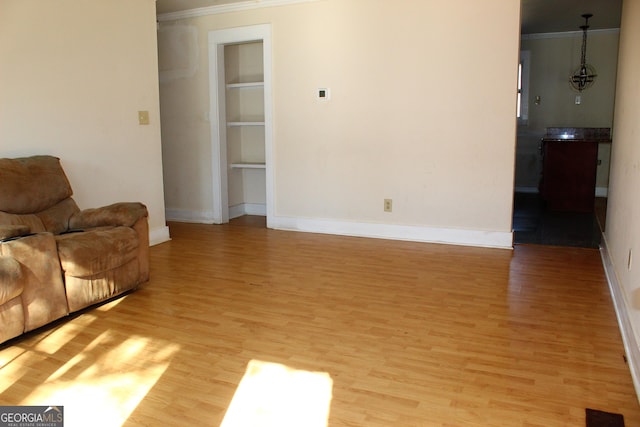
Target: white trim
248 166
602 191
492 239
217 40
226 8
159 235
236 211
525 60
621 306
244 85
217 115
565 34
181 215
247 209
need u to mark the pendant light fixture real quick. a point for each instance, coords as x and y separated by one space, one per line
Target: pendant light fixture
585 76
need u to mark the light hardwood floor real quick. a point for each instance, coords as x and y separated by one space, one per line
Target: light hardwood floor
411 334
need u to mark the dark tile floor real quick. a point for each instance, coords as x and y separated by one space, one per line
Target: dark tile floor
534 224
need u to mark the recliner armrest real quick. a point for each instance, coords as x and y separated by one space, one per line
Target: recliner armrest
13 231
118 214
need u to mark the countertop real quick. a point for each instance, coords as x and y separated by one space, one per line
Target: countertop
572 134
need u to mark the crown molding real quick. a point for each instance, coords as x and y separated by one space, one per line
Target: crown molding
226 8
564 34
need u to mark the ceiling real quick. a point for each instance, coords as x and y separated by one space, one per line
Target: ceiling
551 16
538 16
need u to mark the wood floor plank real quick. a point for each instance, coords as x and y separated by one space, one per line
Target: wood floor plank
411 334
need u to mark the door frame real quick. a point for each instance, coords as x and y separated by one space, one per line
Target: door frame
218 39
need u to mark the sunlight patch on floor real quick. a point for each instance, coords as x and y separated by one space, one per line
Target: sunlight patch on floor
10 366
111 304
53 340
274 395
103 384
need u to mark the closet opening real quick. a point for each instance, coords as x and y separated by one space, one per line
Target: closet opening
240 86
244 95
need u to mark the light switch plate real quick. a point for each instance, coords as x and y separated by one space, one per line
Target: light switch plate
143 117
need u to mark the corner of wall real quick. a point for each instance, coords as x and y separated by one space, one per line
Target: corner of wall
159 235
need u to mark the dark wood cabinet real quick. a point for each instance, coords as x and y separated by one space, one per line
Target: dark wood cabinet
569 174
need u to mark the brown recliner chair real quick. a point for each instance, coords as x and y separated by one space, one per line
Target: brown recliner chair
56 259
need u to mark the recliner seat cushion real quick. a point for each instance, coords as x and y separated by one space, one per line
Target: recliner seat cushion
30 221
56 218
94 251
12 231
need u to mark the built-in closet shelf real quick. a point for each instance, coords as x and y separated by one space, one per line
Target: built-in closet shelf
235 124
244 85
248 166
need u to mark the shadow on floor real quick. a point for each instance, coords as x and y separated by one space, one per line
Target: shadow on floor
534 224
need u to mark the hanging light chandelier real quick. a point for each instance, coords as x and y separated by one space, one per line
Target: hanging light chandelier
584 77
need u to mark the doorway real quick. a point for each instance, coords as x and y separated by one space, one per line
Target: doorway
551 42
241 122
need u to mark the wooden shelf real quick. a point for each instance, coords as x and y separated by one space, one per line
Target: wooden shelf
248 166
244 85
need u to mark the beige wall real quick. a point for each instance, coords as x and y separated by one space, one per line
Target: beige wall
554 58
417 112
622 232
74 74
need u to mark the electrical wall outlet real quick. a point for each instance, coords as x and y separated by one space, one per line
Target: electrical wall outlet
388 205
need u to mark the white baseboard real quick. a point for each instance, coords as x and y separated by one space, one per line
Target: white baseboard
159 235
622 313
180 215
206 217
453 236
602 191
247 209
492 239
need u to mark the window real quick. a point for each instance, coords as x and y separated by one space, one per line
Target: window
522 106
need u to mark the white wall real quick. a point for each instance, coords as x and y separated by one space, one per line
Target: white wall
622 234
74 74
553 58
417 114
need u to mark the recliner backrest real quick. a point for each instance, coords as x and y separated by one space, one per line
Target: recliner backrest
32 184
35 191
